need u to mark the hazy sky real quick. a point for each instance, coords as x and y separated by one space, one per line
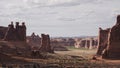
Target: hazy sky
61 17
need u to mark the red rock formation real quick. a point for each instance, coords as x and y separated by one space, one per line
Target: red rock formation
103 40
45 44
20 31
3 31
109 42
113 48
34 40
12 33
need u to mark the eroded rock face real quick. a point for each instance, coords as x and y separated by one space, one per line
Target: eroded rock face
34 40
113 48
45 44
13 39
103 40
41 44
109 42
12 33
3 31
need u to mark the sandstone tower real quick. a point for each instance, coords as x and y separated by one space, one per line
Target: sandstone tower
113 48
109 42
45 44
13 33
103 40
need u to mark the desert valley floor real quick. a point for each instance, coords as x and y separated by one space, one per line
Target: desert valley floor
73 58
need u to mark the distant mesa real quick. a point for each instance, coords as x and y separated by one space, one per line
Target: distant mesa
59 43
88 43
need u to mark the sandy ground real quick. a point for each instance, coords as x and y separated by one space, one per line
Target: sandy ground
88 54
78 52
63 59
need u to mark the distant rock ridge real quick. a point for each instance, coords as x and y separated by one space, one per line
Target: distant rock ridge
90 42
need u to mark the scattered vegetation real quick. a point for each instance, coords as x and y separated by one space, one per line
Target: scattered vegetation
73 58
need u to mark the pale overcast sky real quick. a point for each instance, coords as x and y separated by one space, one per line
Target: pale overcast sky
61 17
